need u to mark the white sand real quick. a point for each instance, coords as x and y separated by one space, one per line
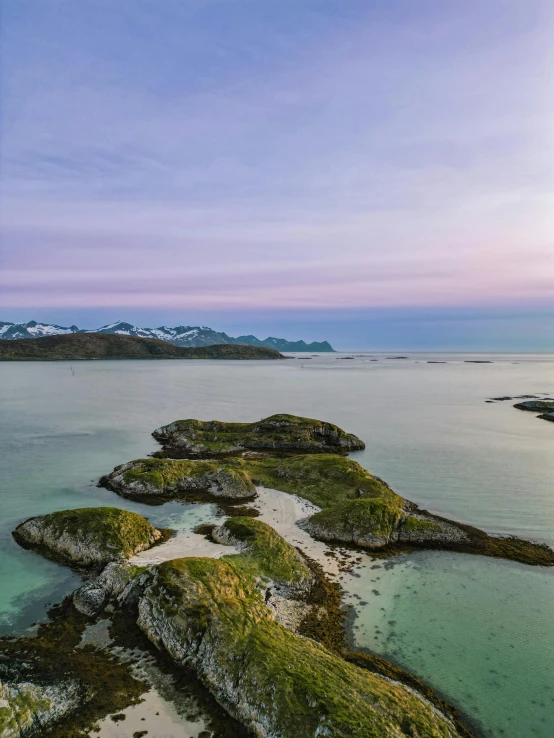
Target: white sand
282 511
183 544
278 509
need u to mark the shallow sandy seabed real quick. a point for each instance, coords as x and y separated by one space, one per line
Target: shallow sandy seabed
156 715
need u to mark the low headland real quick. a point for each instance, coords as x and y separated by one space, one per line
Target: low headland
260 626
86 346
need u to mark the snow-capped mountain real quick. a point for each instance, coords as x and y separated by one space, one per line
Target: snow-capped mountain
32 329
183 335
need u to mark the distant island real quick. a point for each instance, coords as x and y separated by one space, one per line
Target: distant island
183 335
82 346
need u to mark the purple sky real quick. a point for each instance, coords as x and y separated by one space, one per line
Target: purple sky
301 160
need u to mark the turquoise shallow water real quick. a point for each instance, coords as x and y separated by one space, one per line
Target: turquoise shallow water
480 631
477 629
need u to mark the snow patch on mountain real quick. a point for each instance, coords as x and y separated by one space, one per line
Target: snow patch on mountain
183 335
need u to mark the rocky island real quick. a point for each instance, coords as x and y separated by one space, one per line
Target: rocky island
544 408
282 433
260 626
89 536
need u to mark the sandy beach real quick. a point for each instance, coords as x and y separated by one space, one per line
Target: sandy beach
183 545
279 510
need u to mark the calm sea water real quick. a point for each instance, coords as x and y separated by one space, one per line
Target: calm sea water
479 630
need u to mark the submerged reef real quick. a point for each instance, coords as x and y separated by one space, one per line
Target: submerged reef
52 687
89 536
278 433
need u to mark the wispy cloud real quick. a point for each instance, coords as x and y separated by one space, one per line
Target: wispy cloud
189 155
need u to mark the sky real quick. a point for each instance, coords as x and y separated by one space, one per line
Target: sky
376 173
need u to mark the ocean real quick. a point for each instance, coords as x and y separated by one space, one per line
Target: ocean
478 630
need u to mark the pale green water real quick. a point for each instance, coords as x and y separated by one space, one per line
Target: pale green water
479 630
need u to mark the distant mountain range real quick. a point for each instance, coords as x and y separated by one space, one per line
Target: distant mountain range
77 346
183 335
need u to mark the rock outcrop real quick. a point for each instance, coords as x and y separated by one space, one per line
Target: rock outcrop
119 584
536 406
88 536
169 478
211 615
426 530
379 523
29 704
544 407
277 434
221 617
357 507
370 523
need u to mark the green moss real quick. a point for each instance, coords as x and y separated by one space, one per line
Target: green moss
325 479
413 525
378 665
112 532
266 555
23 707
301 686
361 518
280 433
165 474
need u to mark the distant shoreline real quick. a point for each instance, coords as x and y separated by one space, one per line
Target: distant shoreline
97 346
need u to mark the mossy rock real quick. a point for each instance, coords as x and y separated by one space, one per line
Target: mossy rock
278 433
88 536
371 523
170 478
323 479
209 615
264 553
428 530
